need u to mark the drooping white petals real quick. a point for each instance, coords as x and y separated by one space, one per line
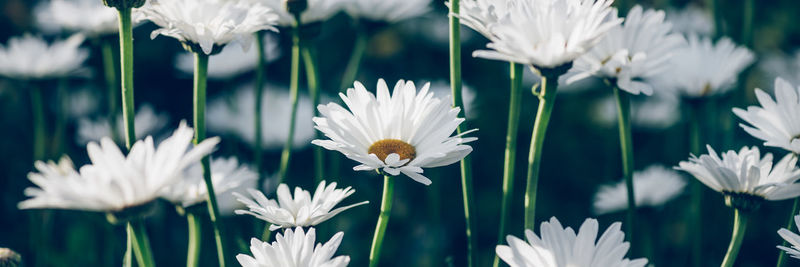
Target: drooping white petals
232 61
294 249
317 11
791 238
653 187
30 57
386 10
89 17
775 121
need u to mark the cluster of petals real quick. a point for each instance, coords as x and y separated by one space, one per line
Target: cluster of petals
775 121
294 249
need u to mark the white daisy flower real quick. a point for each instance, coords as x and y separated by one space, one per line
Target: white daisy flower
294 249
386 10
703 69
653 187
226 175
114 182
209 24
300 210
691 20
559 246
746 174
30 57
543 33
395 133
147 121
232 61
656 112
442 89
236 116
631 53
775 121
781 65
792 239
89 17
316 11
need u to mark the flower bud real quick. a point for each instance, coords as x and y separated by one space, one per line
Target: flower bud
9 258
123 4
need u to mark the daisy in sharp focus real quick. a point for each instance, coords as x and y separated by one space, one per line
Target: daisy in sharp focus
301 210
30 57
653 186
226 175
90 17
402 132
775 121
559 246
231 61
294 249
792 238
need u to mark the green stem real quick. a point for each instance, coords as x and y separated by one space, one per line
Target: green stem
110 74
39 138
739 227
383 220
356 56
260 73
294 83
126 62
200 73
127 259
514 104
141 244
195 233
626 145
547 97
716 10
789 225
747 23
312 75
695 210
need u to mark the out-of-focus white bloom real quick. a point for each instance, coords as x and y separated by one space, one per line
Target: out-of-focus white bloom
543 33
792 238
81 102
631 53
226 175
227 201
434 30
318 10
653 187
89 17
560 247
30 57
442 89
691 20
395 133
703 69
208 23
147 122
746 173
657 112
386 10
236 116
301 210
781 65
775 121
294 249
113 181
232 61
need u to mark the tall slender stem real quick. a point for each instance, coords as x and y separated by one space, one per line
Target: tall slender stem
739 227
195 242
514 103
716 11
466 162
747 22
354 63
110 75
383 220
695 210
312 75
260 73
626 145
127 259
126 62
141 244
294 84
37 109
200 73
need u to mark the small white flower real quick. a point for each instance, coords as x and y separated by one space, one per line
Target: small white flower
89 17
294 249
236 116
656 112
691 20
113 181
746 173
395 133
792 238
631 53
386 10
559 247
146 121
300 210
208 23
226 175
30 57
442 89
781 65
703 69
775 121
317 11
653 187
543 33
232 61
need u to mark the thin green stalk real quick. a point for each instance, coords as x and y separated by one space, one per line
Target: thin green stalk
626 145
195 233
466 162
127 259
739 227
747 22
514 104
312 75
294 83
383 220
260 73
39 138
110 74
354 63
141 244
126 62
695 210
200 73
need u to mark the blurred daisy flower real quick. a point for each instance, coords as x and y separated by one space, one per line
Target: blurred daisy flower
30 57
316 11
147 122
775 121
657 112
208 24
232 62
653 187
226 175
792 239
781 65
386 10
691 20
301 210
559 246
395 133
631 53
294 249
90 17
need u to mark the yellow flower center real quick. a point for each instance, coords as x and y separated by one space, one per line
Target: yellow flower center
385 147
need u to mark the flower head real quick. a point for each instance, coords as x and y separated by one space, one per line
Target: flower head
89 17
113 181
232 61
631 53
775 121
208 24
226 175
386 10
30 57
294 249
792 239
691 20
147 121
559 246
395 133
653 187
316 11
300 210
